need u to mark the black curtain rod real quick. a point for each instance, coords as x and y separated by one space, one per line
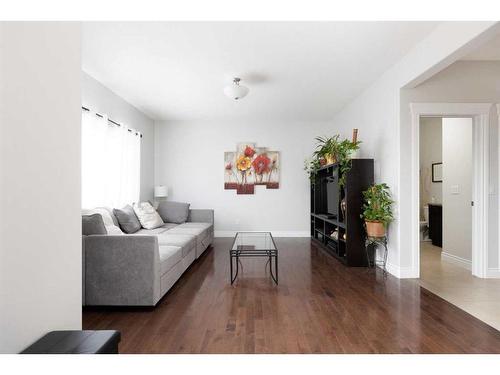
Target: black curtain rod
111 121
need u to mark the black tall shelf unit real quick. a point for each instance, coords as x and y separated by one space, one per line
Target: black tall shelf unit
349 248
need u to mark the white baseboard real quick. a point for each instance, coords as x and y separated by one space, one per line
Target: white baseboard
232 233
458 261
493 273
400 272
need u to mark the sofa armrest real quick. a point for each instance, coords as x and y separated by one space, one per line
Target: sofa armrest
201 216
121 270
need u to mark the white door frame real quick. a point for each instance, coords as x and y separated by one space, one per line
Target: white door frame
480 113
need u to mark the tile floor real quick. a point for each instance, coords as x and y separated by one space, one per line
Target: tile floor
478 297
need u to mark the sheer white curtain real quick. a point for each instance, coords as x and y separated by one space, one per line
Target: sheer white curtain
111 158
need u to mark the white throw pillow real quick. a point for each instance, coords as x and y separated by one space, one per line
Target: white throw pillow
148 217
110 226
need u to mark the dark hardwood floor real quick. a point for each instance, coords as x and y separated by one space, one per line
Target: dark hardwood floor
320 306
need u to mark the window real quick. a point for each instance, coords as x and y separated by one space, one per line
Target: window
111 157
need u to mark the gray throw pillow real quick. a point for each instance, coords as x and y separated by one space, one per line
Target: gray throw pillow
93 224
174 212
127 219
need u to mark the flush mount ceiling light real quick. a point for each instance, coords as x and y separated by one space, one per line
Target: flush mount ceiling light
235 90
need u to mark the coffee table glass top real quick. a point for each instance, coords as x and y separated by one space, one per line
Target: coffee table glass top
253 241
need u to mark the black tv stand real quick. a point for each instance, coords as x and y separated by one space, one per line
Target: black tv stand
342 235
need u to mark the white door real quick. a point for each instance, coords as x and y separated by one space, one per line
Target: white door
457 189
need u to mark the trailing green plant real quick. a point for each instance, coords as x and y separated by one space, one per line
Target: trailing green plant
378 204
311 166
345 150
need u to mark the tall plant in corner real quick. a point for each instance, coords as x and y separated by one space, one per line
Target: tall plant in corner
377 209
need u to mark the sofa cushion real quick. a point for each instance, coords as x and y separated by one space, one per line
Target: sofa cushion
127 219
185 241
107 218
174 212
196 225
93 224
170 225
195 229
153 232
147 215
201 231
169 257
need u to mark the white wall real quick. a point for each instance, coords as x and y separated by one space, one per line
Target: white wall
457 188
40 224
377 112
102 100
190 161
474 82
431 151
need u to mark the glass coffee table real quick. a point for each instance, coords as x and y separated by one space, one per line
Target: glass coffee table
254 244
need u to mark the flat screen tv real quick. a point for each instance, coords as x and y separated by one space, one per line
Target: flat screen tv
332 196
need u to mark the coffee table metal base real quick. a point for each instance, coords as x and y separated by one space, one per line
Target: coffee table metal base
235 256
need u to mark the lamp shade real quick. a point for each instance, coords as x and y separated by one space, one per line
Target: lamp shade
235 91
161 191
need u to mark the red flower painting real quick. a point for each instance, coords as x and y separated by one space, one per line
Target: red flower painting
251 166
261 165
249 152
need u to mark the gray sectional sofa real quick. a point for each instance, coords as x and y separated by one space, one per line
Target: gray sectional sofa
138 269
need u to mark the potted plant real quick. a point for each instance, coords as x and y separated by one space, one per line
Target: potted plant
377 209
327 149
345 150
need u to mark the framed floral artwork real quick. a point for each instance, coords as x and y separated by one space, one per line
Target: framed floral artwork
251 166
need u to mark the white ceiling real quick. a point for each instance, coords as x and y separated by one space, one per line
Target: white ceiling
295 70
487 52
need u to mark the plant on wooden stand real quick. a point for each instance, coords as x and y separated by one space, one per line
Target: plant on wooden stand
377 209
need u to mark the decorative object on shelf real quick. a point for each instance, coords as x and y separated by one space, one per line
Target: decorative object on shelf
335 234
354 154
377 209
250 166
343 207
235 90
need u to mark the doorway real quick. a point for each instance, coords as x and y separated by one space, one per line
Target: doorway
477 114
461 283
446 179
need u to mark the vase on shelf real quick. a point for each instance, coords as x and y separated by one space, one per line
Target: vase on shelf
343 208
330 159
355 153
